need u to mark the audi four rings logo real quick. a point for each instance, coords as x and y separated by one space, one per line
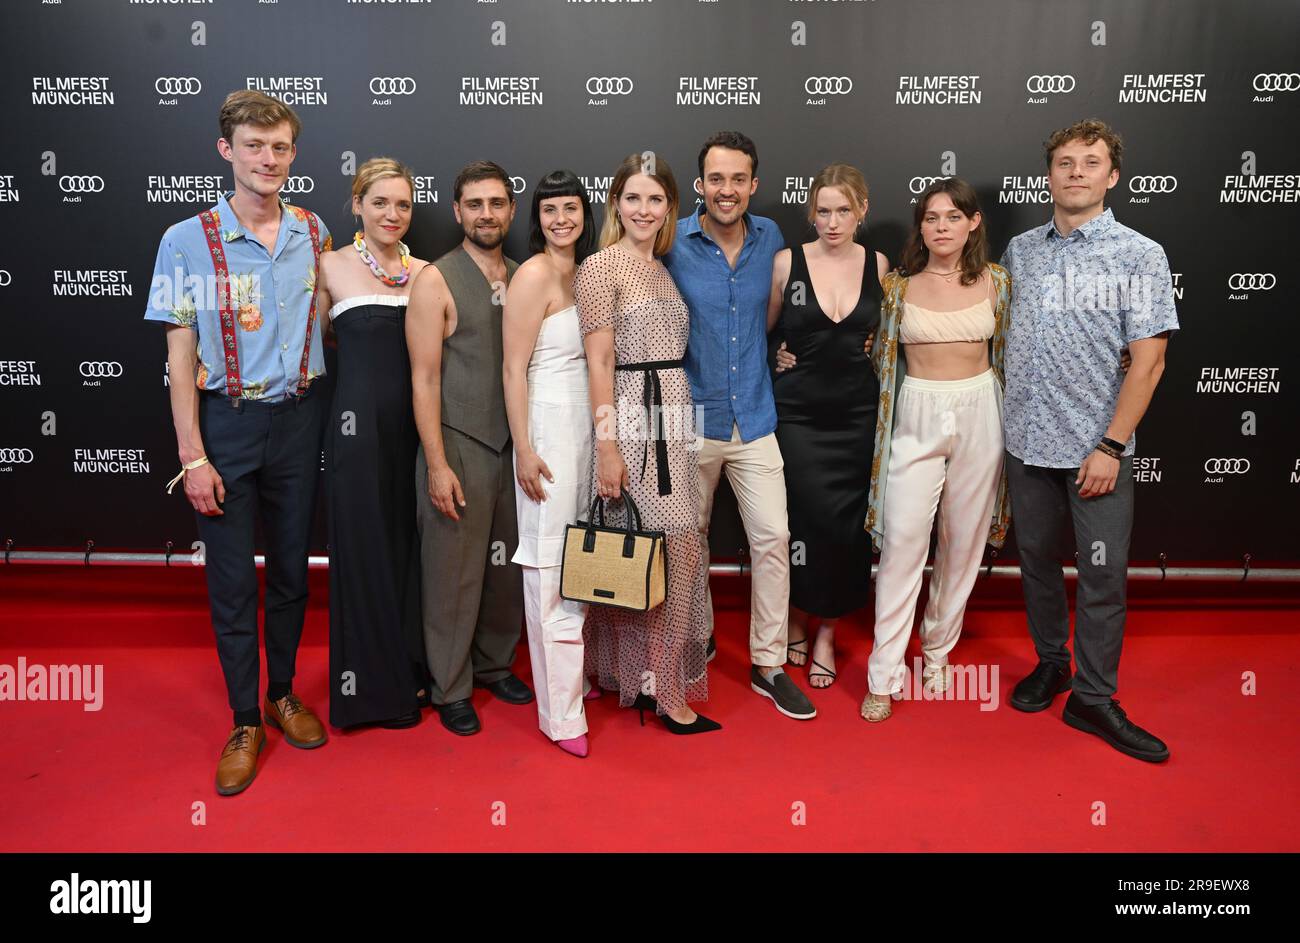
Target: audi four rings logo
81 184
918 184
517 184
16 456
828 85
387 85
1152 184
1038 84
609 85
298 185
1277 82
1257 281
1227 466
174 85
101 368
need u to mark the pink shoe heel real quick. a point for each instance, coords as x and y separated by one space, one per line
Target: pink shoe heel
576 746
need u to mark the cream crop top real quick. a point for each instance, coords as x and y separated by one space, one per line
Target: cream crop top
923 326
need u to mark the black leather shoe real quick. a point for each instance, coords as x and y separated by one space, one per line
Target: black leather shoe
511 690
1035 693
1109 722
459 717
401 723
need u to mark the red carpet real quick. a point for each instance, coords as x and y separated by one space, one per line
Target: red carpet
936 776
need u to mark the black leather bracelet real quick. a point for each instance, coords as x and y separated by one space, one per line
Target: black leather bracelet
1117 446
1105 449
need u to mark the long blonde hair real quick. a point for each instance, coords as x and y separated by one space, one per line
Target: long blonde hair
657 169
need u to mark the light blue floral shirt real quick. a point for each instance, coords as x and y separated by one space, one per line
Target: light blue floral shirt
271 290
1076 302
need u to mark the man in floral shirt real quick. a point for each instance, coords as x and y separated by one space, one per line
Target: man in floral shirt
1084 287
236 288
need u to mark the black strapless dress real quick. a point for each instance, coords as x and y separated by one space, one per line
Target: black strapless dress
375 628
826 425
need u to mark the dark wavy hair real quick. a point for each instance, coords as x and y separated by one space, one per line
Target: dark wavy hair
562 183
974 255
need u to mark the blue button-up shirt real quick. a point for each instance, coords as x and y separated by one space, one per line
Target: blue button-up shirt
1076 302
726 356
271 293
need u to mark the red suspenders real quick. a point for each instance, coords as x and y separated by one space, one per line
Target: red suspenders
229 344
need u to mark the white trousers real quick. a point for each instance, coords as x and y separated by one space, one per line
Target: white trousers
946 455
555 649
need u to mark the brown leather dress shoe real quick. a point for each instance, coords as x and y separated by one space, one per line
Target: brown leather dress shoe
296 721
238 764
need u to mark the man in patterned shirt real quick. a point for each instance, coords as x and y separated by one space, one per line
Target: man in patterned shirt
1084 287
236 287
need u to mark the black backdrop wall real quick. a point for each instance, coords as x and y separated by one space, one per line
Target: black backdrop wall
109 114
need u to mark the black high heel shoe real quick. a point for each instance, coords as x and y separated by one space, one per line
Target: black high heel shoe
643 703
701 724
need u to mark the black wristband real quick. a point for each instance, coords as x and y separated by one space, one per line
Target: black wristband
1105 449
1117 446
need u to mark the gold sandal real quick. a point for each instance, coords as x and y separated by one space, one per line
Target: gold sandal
874 710
936 679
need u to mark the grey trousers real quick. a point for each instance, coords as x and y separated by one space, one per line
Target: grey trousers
473 602
1041 499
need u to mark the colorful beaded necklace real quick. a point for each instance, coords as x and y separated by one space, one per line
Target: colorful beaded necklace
359 242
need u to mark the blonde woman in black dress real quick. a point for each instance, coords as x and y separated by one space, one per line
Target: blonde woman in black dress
826 301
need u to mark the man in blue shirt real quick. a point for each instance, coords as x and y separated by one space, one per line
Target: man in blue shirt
721 261
236 287
1084 287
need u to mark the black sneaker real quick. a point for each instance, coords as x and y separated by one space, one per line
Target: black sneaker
784 693
1036 692
1109 722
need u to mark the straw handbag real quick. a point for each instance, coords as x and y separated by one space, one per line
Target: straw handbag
622 567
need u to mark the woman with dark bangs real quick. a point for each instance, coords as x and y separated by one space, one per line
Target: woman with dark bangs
545 377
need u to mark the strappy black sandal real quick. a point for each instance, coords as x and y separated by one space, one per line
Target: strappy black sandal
793 647
824 673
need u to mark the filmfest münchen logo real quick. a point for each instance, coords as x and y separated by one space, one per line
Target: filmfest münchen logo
597 187
71 90
91 283
8 190
795 191
193 189
500 91
172 88
19 373
938 90
109 461
1163 89
1025 190
293 90
1143 186
710 90
1235 380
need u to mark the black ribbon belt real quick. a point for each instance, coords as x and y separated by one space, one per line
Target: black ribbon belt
653 401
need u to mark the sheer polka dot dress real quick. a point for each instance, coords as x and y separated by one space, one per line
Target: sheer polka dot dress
660 652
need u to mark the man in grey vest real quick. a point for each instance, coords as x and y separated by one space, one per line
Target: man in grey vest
473 593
